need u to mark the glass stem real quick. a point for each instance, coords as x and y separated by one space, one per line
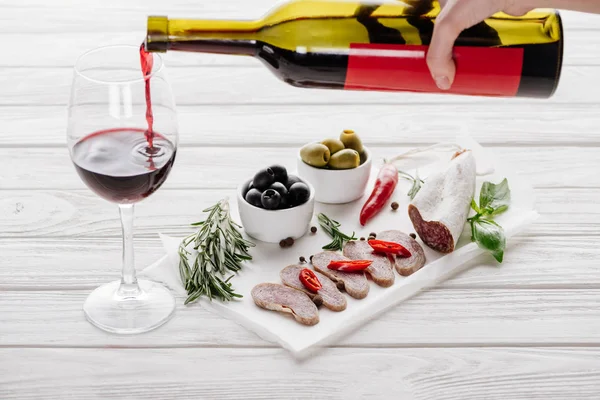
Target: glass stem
129 285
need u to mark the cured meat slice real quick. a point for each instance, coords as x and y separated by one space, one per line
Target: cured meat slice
354 283
381 270
275 297
329 294
440 209
405 265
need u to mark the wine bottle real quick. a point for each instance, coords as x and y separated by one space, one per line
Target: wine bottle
366 46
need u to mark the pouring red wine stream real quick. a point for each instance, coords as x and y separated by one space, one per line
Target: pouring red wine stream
147 62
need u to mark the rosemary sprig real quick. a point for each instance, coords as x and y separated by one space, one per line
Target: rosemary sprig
416 183
218 247
331 227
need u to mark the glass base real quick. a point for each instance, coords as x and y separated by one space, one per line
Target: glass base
127 310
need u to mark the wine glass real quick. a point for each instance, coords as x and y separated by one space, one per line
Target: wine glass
123 150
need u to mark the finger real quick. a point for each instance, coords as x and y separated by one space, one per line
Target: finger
456 16
439 56
517 10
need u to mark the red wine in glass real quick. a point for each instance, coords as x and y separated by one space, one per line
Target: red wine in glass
115 163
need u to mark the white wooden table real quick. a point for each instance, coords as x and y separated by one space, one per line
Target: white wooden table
529 329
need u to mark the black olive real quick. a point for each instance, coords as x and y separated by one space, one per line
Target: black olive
291 180
263 179
249 185
299 193
254 197
280 188
280 172
284 203
270 199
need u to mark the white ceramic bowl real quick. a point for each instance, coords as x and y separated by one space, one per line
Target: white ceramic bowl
272 226
337 186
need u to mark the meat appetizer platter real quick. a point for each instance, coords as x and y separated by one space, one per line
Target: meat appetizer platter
317 253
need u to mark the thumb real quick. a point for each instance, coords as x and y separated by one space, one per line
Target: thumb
439 56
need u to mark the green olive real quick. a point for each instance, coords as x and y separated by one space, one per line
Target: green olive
351 141
345 159
315 154
334 145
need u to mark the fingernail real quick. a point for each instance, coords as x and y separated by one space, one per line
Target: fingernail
442 82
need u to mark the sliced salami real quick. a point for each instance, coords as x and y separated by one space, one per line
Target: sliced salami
405 265
355 284
329 294
440 209
381 270
274 297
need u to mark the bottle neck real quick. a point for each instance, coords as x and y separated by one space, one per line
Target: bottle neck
203 36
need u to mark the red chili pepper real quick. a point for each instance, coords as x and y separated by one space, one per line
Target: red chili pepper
310 280
381 246
384 187
350 265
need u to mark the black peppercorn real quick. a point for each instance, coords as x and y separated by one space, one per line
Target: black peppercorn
373 234
289 242
302 259
313 229
412 235
362 238
395 206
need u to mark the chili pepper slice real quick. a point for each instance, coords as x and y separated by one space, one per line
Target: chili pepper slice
310 280
349 265
381 246
386 182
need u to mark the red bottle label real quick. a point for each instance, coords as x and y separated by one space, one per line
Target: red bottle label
484 71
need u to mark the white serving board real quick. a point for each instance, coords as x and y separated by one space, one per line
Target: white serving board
270 259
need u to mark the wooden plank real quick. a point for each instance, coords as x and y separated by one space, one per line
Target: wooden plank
215 85
438 317
408 374
218 167
85 262
581 47
506 124
80 213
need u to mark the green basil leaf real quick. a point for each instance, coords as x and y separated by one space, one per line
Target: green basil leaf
498 255
494 196
474 206
489 236
499 210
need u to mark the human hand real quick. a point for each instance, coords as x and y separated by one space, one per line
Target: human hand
456 16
